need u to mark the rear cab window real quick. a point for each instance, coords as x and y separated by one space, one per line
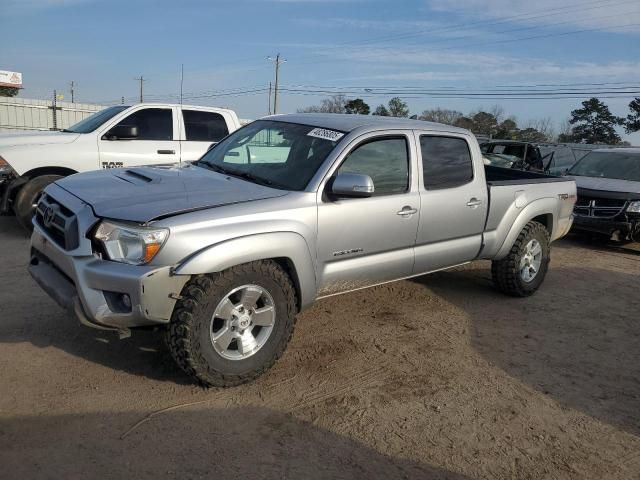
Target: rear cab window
446 162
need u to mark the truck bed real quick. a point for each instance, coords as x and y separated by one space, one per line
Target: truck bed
510 191
510 176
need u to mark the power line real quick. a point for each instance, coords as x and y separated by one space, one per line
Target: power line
376 53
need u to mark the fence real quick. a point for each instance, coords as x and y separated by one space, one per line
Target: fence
29 114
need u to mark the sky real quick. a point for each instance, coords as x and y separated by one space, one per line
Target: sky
455 54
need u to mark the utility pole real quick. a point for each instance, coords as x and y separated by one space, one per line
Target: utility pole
269 109
277 62
72 92
141 80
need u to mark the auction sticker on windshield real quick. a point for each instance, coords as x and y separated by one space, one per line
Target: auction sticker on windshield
325 134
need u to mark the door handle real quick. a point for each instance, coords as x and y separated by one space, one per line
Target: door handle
474 202
166 152
407 211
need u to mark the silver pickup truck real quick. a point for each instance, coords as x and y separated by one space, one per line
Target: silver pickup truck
223 253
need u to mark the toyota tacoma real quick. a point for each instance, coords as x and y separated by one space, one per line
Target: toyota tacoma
223 253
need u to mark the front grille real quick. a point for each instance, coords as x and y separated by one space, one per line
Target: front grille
599 207
58 221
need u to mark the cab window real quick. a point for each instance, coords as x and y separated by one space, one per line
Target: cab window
385 160
152 123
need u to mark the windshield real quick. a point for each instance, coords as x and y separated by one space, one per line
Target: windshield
619 165
281 155
92 122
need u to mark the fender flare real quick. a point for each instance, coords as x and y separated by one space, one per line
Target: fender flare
537 208
289 246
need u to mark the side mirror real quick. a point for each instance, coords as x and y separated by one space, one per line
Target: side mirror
352 185
122 132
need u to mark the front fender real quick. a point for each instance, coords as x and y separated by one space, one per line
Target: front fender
236 251
537 208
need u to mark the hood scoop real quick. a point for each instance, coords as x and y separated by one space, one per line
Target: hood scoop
136 177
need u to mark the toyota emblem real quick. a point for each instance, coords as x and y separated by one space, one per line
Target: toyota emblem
48 216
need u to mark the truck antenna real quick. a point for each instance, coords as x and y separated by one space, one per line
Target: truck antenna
180 116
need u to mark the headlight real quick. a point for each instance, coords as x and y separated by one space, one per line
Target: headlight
131 244
634 207
5 168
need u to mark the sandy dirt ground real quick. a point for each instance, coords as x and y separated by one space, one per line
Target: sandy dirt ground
438 377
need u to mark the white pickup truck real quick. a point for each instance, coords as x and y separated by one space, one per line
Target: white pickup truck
119 136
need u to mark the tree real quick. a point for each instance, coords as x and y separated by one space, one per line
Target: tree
8 91
565 135
464 122
594 123
381 110
357 106
440 115
333 104
507 130
633 119
530 134
485 123
398 108
544 126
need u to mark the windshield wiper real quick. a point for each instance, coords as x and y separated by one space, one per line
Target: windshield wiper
235 173
250 177
210 166
67 130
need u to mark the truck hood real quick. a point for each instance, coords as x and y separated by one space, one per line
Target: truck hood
609 185
149 193
36 138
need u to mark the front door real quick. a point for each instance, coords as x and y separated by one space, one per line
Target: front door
454 202
154 145
365 241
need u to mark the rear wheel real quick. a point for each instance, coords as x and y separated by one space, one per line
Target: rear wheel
522 271
27 198
231 327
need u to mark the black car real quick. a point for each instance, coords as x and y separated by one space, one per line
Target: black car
608 202
549 158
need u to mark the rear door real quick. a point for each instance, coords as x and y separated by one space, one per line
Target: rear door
365 241
453 202
156 143
201 129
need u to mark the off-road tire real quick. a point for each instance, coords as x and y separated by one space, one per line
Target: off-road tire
506 272
187 336
27 196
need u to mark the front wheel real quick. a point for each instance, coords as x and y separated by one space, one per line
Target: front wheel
522 271
25 202
228 328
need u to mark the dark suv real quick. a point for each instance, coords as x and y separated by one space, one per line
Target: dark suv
608 202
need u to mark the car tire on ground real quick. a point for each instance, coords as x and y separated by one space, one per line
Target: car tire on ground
230 327
522 271
27 197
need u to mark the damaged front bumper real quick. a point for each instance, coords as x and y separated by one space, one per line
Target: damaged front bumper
100 293
623 228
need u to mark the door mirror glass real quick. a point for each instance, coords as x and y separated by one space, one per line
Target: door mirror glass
352 185
122 132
